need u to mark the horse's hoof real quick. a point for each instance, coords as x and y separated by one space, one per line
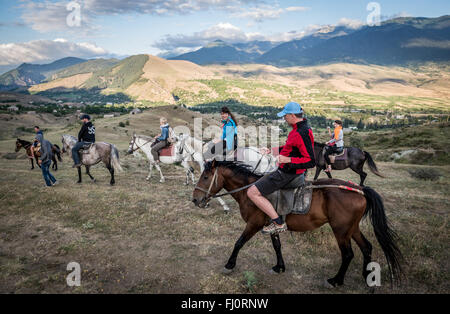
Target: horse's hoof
276 270
78 182
227 271
328 285
162 181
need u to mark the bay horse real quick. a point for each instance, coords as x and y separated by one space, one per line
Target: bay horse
342 209
28 145
99 151
356 159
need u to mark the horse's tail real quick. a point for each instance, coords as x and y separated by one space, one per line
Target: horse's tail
58 152
383 232
372 165
115 162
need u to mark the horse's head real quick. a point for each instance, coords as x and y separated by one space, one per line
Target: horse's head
18 145
132 145
210 183
65 144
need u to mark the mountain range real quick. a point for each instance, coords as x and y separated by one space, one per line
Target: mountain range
395 42
398 41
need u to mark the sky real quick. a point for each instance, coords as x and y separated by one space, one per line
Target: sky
46 30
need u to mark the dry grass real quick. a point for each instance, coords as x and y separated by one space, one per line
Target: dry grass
147 237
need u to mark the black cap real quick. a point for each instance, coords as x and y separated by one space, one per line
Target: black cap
85 116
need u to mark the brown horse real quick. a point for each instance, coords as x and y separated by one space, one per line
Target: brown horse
342 209
28 145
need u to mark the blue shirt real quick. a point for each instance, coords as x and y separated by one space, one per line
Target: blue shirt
229 130
164 132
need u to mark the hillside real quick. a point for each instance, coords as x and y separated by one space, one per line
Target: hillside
111 231
31 74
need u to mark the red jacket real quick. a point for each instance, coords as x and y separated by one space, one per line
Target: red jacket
300 147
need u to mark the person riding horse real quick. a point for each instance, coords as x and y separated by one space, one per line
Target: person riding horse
336 144
228 142
86 136
38 131
295 157
161 140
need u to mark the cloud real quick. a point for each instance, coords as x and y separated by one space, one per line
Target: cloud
265 12
50 16
427 43
349 23
173 45
48 50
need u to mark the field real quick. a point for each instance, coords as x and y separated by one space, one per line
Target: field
147 237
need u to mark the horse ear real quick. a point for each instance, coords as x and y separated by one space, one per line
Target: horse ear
214 163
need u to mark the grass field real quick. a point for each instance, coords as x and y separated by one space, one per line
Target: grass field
147 237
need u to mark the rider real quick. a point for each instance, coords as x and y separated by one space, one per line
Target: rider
228 141
38 131
86 136
295 157
161 140
336 144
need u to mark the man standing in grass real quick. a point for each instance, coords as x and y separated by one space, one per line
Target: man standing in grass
46 160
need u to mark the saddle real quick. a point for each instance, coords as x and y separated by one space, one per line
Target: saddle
338 156
168 151
293 198
86 148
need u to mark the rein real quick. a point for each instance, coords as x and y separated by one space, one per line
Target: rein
137 146
214 180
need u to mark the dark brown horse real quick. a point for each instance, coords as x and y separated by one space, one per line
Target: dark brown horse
28 145
355 161
342 209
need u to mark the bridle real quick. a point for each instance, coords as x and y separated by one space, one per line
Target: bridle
137 146
214 181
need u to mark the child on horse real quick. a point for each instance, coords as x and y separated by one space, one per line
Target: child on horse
161 140
336 144
295 157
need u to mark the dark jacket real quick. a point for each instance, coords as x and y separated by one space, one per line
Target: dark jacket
300 147
46 148
87 133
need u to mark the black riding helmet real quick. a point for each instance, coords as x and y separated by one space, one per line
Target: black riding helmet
85 116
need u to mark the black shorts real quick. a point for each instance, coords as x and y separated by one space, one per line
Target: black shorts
274 181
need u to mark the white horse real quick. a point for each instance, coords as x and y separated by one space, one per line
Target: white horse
260 160
184 152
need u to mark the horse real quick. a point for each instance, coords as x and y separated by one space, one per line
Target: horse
99 151
260 163
356 159
28 146
186 149
341 208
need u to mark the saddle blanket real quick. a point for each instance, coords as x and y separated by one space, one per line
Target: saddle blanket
168 151
293 200
337 157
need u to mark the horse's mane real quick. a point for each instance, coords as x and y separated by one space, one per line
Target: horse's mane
238 168
145 137
23 142
321 145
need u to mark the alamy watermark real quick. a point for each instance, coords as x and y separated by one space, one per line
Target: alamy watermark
73 19
374 18
374 277
74 278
